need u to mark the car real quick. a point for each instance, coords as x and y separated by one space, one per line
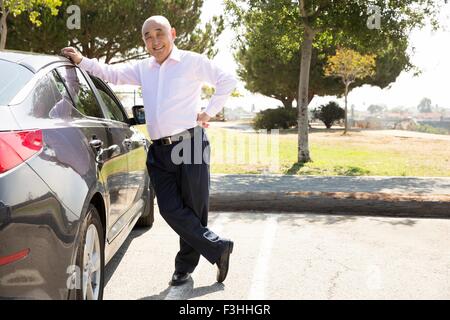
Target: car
73 178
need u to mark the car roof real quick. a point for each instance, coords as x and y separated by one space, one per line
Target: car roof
32 61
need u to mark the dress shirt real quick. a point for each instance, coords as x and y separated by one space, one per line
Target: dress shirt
171 91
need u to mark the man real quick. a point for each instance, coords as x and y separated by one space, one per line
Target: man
171 82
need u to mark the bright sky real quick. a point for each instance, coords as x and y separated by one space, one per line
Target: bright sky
431 56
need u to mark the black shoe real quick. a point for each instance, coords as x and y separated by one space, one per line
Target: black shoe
224 262
179 278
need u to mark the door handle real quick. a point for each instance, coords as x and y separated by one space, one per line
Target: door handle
96 144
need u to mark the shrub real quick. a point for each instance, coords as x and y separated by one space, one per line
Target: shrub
280 118
329 113
429 129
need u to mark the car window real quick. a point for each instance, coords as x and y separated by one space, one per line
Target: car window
45 97
64 108
13 77
81 92
113 109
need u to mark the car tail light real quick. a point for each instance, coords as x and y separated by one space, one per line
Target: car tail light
14 257
18 146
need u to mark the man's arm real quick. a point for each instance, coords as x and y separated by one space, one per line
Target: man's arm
223 81
123 73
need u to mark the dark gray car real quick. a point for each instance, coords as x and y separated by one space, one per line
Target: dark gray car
73 179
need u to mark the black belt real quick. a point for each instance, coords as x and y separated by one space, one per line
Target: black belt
175 138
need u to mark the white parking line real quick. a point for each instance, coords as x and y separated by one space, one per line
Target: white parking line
181 292
259 281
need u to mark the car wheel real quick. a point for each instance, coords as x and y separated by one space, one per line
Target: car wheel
148 216
91 257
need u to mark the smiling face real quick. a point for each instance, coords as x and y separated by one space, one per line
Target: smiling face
158 36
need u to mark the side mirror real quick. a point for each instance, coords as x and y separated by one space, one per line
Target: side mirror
138 114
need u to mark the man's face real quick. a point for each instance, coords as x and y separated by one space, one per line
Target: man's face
158 40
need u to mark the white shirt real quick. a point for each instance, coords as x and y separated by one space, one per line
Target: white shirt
171 91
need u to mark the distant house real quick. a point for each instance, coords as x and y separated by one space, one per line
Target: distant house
439 120
396 115
430 116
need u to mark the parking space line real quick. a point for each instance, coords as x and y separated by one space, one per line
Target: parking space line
261 272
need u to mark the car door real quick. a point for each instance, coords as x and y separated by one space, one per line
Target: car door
131 139
111 154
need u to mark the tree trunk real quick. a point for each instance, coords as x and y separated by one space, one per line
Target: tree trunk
303 96
3 26
345 118
287 102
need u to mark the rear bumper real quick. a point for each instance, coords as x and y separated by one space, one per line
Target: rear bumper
37 235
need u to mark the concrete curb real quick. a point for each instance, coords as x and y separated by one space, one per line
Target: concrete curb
346 203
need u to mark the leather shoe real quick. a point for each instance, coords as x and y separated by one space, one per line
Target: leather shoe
179 278
224 262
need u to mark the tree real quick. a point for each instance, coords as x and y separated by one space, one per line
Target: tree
14 8
268 53
329 113
331 23
425 105
373 108
264 71
344 19
112 29
349 65
208 92
275 72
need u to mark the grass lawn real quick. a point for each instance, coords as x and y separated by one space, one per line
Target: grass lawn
358 153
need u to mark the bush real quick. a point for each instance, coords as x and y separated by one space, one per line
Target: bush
329 113
280 118
429 129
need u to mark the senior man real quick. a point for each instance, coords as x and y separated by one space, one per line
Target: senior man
171 81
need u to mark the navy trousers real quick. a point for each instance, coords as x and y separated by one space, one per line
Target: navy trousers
182 192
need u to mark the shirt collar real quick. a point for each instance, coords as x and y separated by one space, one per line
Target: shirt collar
174 55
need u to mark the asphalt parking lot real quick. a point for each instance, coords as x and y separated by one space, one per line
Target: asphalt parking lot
294 256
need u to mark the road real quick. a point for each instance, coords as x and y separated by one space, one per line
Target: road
294 256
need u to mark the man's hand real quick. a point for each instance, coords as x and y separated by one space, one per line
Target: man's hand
202 119
72 54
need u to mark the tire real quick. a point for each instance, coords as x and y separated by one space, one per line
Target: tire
148 216
91 229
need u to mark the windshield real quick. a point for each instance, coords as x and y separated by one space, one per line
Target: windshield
12 78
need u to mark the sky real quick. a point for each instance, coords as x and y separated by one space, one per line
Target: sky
431 56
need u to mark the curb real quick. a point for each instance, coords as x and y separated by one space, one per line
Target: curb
342 203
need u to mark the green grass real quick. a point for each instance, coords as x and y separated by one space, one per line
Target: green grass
343 160
356 154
